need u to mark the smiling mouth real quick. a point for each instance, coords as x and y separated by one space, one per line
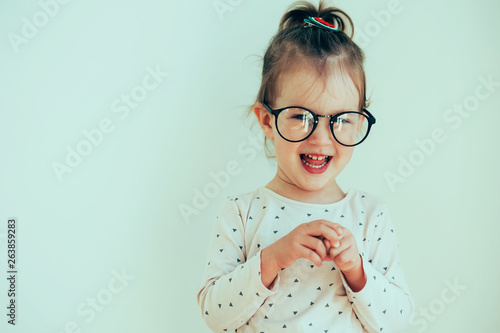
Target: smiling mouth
315 161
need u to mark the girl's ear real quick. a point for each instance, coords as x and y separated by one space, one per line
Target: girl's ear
265 120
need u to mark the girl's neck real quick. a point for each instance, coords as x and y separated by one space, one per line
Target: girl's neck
329 194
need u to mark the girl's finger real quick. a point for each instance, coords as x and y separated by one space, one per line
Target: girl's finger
320 228
316 245
328 245
340 230
348 256
335 251
307 253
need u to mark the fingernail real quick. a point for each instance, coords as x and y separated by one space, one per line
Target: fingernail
337 244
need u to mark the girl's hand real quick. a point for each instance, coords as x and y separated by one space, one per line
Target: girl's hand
346 256
305 241
348 260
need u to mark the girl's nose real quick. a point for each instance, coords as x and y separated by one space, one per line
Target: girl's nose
322 135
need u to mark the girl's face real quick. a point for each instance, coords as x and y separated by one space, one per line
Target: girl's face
304 88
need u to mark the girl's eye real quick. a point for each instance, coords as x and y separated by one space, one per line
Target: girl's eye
342 120
300 117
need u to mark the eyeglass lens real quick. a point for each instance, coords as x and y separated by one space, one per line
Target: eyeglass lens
296 124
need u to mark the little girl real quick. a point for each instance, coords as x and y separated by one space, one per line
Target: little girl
299 254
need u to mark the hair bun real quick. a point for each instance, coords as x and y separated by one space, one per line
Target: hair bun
301 10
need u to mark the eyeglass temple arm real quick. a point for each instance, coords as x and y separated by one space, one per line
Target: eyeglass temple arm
371 117
271 111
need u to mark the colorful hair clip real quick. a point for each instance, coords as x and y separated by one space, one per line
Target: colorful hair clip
319 22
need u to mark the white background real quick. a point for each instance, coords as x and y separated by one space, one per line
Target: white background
118 210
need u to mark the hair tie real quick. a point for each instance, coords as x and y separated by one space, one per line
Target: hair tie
318 22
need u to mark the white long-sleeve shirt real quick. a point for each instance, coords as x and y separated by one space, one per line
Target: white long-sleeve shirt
304 297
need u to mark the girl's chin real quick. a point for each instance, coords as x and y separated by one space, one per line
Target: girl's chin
313 186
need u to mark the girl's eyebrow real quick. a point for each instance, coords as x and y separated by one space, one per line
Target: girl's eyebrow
329 112
303 105
345 109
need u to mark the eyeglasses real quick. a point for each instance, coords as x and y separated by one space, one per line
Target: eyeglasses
295 124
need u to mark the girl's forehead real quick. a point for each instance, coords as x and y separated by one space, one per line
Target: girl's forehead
321 91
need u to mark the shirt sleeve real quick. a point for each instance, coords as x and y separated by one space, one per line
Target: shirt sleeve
385 303
231 290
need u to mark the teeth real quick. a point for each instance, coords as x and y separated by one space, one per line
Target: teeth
315 166
316 157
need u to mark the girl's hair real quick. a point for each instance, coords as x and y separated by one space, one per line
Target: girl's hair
296 45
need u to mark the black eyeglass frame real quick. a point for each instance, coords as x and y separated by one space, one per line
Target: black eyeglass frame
333 118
